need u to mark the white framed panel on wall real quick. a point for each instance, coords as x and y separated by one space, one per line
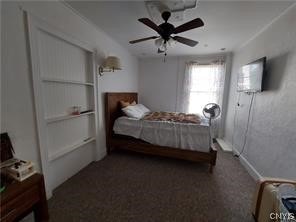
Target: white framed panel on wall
64 76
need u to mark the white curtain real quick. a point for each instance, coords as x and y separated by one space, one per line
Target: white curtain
185 95
203 84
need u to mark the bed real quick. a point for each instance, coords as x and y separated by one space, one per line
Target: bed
117 141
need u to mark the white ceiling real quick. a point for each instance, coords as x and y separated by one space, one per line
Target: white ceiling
228 24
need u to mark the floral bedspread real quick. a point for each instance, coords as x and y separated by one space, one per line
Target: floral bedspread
172 117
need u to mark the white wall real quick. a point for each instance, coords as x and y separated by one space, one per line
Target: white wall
17 105
159 84
270 145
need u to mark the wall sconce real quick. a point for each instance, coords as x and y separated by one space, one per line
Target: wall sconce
110 64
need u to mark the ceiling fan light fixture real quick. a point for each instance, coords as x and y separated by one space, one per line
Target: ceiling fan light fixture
159 42
172 42
163 47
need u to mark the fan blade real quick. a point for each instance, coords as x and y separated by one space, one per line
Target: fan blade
143 39
185 41
195 23
151 24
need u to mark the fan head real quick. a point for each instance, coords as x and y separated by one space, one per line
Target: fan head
166 30
211 111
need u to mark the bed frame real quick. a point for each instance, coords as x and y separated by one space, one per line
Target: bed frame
114 141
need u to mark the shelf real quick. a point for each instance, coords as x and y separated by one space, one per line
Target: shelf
44 79
69 149
65 117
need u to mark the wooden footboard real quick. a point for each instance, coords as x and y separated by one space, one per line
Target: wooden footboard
140 146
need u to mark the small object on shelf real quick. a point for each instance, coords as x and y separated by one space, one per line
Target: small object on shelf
11 166
68 116
20 170
75 110
8 162
87 139
86 111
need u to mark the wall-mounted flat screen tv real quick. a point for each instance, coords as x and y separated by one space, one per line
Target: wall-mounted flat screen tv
250 76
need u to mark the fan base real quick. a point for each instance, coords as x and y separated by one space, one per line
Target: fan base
166 15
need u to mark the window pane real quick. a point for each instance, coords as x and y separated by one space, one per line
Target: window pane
205 85
204 78
199 100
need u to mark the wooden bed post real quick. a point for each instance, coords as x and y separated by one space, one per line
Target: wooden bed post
113 111
214 157
211 168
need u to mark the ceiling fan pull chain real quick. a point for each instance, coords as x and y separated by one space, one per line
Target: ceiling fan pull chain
164 58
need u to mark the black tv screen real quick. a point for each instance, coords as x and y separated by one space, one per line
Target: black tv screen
250 76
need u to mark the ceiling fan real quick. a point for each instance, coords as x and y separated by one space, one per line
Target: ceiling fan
166 30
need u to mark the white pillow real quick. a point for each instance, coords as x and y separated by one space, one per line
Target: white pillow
142 108
132 111
137 111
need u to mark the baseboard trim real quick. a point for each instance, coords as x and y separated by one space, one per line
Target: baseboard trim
48 194
101 155
224 145
249 167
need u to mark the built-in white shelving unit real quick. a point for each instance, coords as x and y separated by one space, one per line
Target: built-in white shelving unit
63 77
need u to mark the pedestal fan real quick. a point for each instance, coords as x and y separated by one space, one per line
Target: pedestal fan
211 111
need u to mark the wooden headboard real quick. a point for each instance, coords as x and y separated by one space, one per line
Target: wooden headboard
113 110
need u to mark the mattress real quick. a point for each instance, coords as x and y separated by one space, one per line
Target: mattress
187 136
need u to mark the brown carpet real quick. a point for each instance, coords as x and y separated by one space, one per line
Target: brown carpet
132 187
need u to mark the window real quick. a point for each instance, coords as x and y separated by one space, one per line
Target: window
206 82
202 84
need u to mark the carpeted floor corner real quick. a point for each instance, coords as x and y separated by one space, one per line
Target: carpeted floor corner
140 188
